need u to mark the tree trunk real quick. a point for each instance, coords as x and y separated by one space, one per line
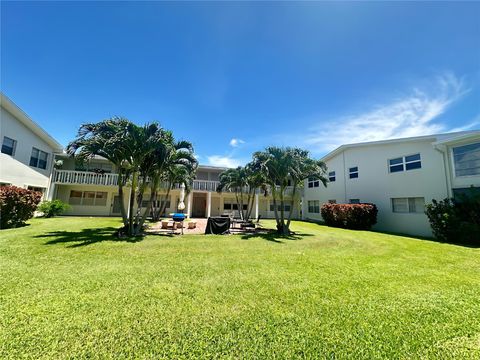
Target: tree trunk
284 229
274 196
132 200
291 205
123 210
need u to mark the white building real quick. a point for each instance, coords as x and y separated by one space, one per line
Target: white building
400 176
27 152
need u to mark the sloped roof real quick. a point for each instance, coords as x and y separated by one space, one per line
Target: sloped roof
13 109
437 138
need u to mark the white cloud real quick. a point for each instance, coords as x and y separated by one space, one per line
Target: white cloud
410 115
236 142
223 161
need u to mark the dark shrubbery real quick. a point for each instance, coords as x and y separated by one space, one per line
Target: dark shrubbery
456 220
53 208
350 216
17 205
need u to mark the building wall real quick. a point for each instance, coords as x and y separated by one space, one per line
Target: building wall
16 170
377 185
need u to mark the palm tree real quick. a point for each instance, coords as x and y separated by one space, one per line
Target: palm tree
282 168
128 147
234 180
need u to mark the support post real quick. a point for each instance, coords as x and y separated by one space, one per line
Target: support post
189 204
209 203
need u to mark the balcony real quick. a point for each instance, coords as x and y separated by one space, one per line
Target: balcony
84 178
72 177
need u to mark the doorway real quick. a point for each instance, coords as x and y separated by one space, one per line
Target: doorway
199 205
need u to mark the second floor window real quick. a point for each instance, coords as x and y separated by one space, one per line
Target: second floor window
312 182
405 163
353 172
331 176
8 146
467 160
38 159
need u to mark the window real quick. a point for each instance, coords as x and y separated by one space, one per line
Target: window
354 201
38 159
36 188
408 205
88 198
353 172
466 160
285 208
405 163
332 201
4 184
312 182
314 206
331 176
8 146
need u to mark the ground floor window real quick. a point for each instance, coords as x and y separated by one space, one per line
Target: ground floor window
37 188
332 201
88 198
354 201
233 206
408 205
314 206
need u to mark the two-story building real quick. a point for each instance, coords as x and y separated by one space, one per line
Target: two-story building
28 152
400 176
91 189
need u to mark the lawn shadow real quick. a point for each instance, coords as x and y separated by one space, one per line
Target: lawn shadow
430 238
273 236
86 237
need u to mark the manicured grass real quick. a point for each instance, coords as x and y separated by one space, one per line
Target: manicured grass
68 289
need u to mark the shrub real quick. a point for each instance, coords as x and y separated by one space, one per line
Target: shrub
17 205
53 208
350 216
455 220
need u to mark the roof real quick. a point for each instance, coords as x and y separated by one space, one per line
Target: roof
210 167
21 116
436 138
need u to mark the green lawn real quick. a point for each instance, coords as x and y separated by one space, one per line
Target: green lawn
68 289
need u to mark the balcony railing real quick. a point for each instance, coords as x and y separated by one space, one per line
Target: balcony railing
84 177
92 178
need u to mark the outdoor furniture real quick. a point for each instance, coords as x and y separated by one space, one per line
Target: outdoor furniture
178 220
164 224
192 225
218 225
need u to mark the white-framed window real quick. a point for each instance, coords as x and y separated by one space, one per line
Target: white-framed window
332 201
354 201
314 206
4 184
38 158
36 188
233 206
9 145
408 205
312 182
88 198
466 160
331 176
405 163
353 172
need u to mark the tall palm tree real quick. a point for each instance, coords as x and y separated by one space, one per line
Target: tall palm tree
282 168
234 180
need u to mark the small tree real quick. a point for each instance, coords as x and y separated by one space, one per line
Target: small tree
53 208
17 205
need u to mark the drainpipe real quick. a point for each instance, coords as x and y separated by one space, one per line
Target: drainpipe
444 151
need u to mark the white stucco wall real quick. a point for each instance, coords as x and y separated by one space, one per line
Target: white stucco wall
15 169
377 185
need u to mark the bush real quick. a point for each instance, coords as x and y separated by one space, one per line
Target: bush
350 216
455 221
53 208
17 205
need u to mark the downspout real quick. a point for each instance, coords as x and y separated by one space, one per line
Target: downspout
443 150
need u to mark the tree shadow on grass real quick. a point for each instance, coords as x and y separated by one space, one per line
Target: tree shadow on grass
273 236
86 237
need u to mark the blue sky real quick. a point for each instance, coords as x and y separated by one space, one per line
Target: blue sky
236 77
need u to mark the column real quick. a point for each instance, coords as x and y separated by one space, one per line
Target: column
256 206
189 204
51 191
209 203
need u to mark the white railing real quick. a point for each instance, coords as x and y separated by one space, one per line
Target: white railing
84 177
205 185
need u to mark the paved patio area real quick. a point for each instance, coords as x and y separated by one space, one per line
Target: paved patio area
201 224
